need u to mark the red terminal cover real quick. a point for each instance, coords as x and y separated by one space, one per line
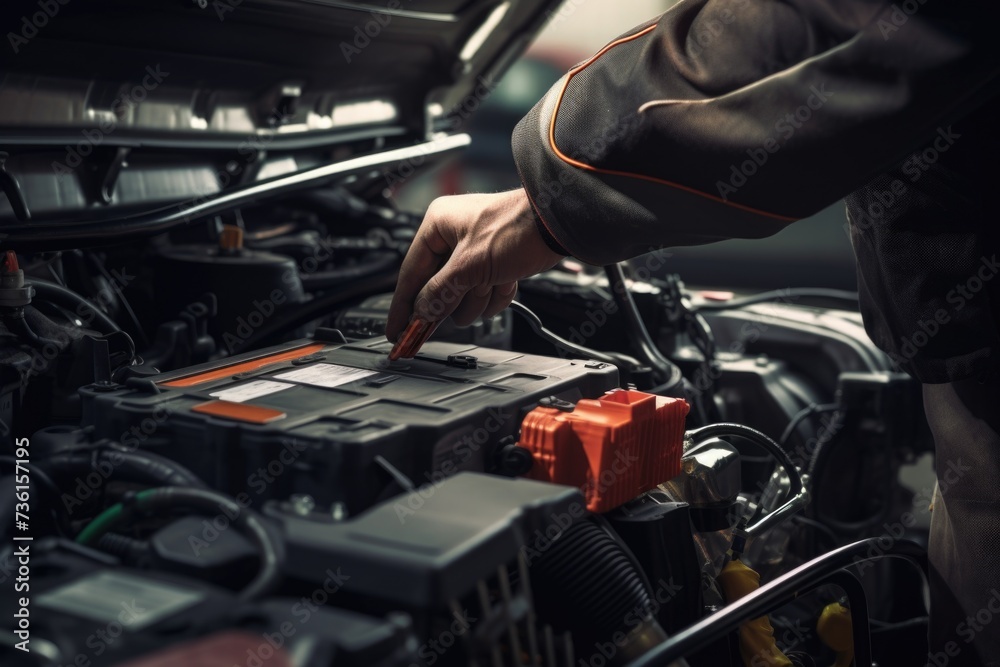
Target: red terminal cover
412 339
613 448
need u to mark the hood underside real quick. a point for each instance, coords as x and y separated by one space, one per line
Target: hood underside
117 104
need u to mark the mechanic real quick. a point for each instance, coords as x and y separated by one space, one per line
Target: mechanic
733 118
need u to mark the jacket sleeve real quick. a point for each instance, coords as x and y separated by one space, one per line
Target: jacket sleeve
733 118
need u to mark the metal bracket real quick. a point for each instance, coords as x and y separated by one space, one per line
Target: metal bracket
111 173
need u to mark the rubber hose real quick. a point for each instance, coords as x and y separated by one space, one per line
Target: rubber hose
585 580
143 467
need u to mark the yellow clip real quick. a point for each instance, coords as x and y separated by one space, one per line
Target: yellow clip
835 630
757 645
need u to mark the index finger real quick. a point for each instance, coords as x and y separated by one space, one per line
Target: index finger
427 254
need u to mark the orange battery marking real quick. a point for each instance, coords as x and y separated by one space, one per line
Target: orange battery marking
242 412
413 339
244 366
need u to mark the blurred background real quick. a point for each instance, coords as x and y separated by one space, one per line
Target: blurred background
815 252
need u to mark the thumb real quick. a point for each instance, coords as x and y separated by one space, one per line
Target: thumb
444 291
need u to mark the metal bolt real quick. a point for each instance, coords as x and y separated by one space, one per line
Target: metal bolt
302 503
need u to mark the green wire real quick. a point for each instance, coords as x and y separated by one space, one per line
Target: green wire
106 519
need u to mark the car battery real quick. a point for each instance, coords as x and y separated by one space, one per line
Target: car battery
335 420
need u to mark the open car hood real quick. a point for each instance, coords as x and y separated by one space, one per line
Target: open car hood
112 104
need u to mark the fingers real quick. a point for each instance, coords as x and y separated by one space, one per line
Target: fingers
500 299
466 258
473 305
444 291
428 253
483 301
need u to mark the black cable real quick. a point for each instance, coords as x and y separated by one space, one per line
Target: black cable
55 274
819 456
817 467
318 308
624 363
212 503
669 374
818 527
778 295
153 468
755 436
886 626
18 325
700 332
70 300
136 466
121 298
801 415
128 549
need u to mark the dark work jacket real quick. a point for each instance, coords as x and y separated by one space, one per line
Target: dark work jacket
734 118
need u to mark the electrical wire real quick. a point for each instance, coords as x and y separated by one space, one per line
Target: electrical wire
210 502
879 626
754 436
18 325
801 415
142 467
779 295
816 472
104 522
819 528
121 297
59 295
55 274
669 374
624 363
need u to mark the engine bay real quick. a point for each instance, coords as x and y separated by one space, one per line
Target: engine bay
223 465
207 457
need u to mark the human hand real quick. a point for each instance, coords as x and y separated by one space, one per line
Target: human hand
466 259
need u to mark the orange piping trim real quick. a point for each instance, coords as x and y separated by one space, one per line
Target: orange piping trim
583 165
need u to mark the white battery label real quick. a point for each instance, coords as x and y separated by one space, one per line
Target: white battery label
326 375
251 390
